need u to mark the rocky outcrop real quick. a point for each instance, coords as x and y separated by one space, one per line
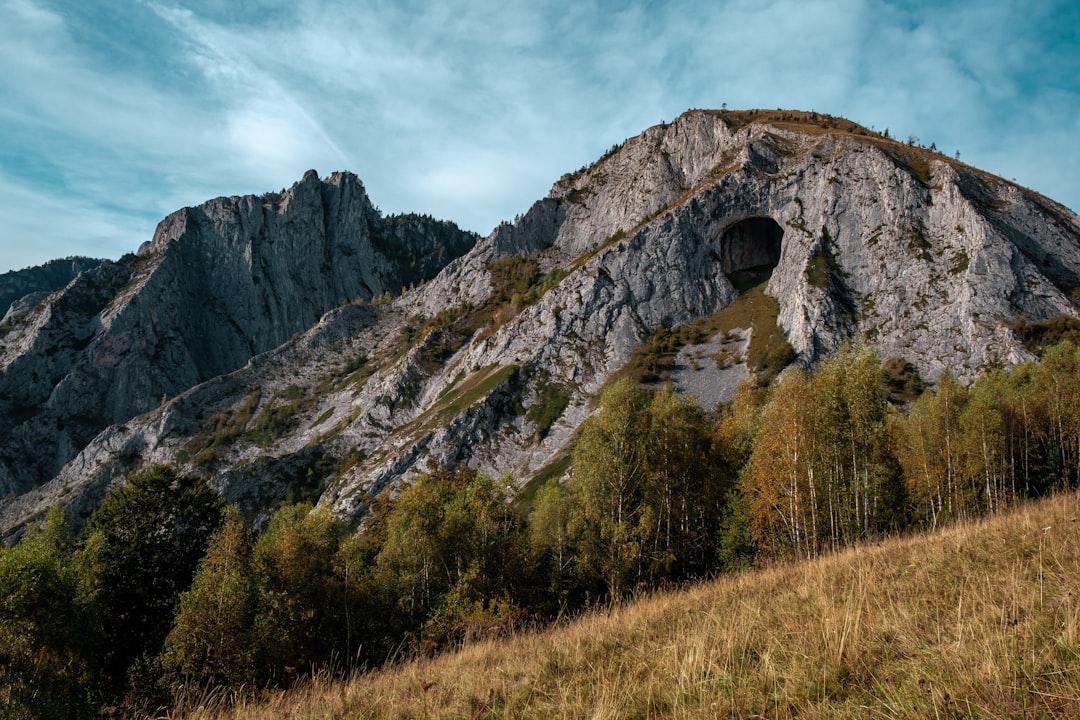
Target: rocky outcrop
496 359
217 285
25 288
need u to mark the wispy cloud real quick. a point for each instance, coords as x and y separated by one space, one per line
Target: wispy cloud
114 115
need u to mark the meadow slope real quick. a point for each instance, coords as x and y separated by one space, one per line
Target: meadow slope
977 620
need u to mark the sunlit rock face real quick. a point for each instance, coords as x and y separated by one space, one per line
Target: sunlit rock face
232 311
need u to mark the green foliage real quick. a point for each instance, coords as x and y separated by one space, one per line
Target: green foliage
450 553
902 379
211 643
272 198
736 549
552 400
48 631
511 276
144 544
960 262
299 597
817 270
550 537
778 357
1038 335
221 430
648 490
819 477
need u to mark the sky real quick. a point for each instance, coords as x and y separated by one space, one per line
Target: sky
114 113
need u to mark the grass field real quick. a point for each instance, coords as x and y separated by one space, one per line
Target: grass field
979 620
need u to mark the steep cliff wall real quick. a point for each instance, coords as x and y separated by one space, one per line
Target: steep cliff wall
218 284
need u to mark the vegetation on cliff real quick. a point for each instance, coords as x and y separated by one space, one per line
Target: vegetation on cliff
660 494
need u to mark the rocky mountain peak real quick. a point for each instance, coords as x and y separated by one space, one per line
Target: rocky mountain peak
218 284
717 247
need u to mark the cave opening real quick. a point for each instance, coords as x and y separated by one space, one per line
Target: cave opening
749 250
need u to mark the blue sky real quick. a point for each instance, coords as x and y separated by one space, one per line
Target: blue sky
115 113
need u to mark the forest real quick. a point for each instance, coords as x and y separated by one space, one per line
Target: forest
168 594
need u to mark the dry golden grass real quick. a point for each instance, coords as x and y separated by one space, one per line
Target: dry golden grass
979 620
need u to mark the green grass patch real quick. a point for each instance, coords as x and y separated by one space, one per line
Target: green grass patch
526 497
461 397
817 271
221 431
960 262
552 401
769 350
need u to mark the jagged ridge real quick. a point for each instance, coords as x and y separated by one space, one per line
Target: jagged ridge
217 285
866 239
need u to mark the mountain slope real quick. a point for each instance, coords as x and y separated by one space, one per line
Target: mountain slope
494 361
29 286
218 285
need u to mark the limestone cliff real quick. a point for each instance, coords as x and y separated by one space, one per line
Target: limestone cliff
20 290
494 362
217 285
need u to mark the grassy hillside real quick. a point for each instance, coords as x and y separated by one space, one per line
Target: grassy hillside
977 620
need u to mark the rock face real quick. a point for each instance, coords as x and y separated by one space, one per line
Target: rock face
22 289
496 359
217 285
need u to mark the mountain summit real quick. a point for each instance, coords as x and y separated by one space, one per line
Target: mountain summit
301 345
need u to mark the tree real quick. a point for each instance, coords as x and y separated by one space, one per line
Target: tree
983 444
648 495
927 447
450 555
863 494
779 484
739 424
211 643
1055 389
685 485
820 476
608 483
551 542
144 544
48 635
300 601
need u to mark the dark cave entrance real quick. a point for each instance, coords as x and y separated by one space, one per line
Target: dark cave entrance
749 250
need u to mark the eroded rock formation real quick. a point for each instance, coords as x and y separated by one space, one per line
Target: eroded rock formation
859 239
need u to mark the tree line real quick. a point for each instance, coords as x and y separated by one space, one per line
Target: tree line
168 594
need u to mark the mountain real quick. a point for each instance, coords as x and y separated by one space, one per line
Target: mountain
702 251
25 288
218 285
